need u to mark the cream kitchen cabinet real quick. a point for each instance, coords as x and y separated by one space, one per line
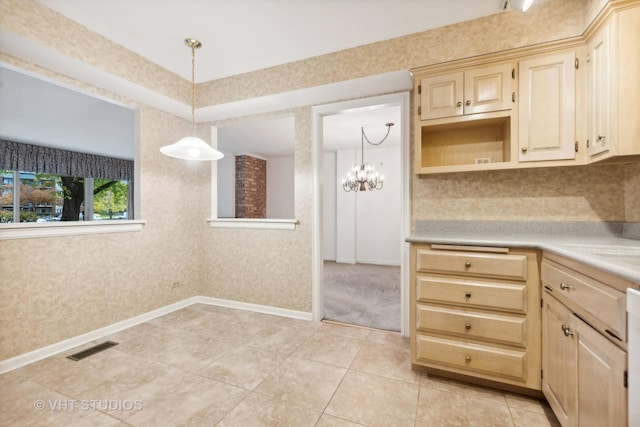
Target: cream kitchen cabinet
464 116
613 94
475 312
529 107
584 364
476 90
547 107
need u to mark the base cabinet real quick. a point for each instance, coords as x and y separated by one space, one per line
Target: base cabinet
583 371
476 312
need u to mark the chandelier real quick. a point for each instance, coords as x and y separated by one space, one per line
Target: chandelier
192 147
363 176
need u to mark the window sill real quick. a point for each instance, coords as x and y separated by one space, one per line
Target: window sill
254 223
32 230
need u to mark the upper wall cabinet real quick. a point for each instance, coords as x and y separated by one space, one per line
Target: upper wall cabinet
547 108
599 62
465 117
478 90
613 94
562 103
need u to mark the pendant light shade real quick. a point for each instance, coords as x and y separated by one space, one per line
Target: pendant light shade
192 147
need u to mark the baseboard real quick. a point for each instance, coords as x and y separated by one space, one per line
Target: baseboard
267 309
369 262
64 345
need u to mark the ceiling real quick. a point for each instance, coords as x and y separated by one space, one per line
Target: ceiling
240 36
274 137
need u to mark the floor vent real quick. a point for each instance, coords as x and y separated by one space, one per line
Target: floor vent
92 350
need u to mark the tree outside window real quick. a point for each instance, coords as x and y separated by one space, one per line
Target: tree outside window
46 197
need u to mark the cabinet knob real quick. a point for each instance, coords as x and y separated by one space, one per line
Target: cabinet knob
459 104
565 287
567 331
467 358
601 137
524 149
467 295
467 264
467 326
468 102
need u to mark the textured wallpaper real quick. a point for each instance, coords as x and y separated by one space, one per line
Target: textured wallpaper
268 267
86 282
579 193
59 287
31 20
632 192
553 20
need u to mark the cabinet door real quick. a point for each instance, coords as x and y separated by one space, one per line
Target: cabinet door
559 350
488 89
547 112
599 92
441 96
602 397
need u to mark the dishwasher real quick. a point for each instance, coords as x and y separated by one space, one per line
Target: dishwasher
633 312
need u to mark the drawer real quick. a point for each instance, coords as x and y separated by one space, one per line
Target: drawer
485 359
483 326
472 293
472 263
582 293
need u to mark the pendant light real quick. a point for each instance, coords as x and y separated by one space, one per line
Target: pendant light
192 147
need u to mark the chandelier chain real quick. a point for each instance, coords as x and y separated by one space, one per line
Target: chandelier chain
388 125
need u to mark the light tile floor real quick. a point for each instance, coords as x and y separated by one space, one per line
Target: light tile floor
206 365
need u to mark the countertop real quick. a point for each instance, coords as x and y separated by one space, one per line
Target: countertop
605 251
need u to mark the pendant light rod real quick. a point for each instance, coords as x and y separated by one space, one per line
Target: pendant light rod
192 147
193 44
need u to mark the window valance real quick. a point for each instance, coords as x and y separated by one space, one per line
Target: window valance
34 158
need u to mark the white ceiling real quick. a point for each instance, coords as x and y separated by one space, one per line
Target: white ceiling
274 137
239 36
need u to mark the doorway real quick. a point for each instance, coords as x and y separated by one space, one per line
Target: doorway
360 258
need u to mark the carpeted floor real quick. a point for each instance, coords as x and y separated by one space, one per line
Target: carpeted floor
362 294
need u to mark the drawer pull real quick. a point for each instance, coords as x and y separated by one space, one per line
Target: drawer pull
467 358
467 326
467 264
467 295
567 331
565 287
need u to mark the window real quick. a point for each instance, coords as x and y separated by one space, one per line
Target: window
42 183
256 177
65 156
49 198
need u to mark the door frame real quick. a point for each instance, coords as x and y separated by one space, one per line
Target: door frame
400 99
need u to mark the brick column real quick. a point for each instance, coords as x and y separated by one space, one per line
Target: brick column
251 187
